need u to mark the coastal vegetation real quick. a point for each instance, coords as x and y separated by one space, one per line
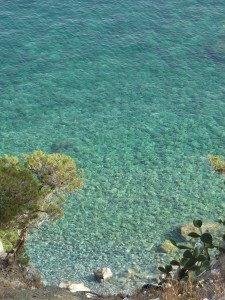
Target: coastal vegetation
33 190
196 257
200 271
218 163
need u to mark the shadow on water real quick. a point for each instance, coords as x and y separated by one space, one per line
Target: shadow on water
62 147
216 52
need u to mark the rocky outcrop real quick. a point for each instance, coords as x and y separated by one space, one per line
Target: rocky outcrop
46 293
32 276
103 274
17 276
24 283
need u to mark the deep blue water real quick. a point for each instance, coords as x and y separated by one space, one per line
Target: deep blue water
134 91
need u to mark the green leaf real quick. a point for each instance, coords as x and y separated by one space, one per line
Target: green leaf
201 257
161 269
221 221
183 261
206 264
168 268
221 249
174 263
195 268
193 235
206 238
190 263
187 254
197 223
183 247
223 237
173 242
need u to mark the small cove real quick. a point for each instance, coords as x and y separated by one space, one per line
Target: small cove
134 91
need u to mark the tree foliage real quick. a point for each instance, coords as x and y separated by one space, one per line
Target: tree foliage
33 188
19 191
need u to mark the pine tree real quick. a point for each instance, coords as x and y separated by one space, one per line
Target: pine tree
33 189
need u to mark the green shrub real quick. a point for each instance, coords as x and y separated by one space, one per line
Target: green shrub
32 189
195 259
8 238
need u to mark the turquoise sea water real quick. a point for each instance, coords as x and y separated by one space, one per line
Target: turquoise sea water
134 91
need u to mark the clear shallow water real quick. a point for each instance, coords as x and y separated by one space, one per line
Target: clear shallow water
134 91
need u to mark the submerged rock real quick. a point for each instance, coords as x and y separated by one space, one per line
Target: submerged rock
130 274
185 229
103 274
135 274
167 247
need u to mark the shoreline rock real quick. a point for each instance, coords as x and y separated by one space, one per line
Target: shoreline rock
103 274
74 286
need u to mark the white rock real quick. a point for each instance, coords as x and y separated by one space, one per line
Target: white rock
90 295
103 274
78 287
2 251
64 285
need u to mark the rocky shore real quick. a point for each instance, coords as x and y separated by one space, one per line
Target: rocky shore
24 282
